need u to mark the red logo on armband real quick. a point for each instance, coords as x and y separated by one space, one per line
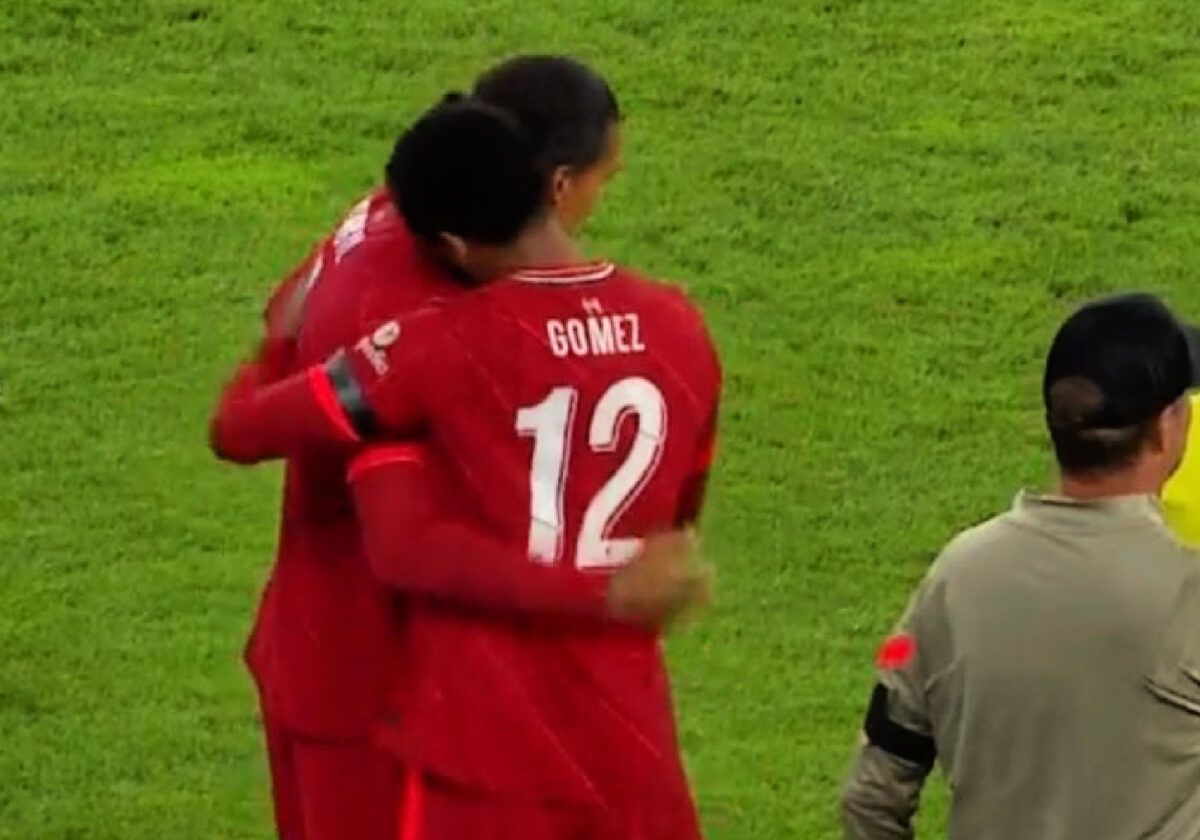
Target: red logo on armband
896 652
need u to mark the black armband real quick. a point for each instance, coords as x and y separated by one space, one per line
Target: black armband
893 738
350 394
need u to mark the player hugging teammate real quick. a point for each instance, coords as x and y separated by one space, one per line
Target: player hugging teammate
523 459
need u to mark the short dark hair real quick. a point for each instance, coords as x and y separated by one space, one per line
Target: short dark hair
1114 366
1082 450
468 169
567 107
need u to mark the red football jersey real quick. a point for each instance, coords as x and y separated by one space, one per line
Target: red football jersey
325 649
575 408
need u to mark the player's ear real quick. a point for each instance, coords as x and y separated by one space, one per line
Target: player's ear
1168 431
1179 417
560 184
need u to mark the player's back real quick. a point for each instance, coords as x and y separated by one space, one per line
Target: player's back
592 392
574 406
324 644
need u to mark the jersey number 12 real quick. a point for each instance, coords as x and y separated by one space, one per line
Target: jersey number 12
550 424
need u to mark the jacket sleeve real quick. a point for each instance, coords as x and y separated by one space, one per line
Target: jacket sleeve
881 795
898 751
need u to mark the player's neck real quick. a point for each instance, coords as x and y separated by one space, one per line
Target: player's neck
1131 482
541 246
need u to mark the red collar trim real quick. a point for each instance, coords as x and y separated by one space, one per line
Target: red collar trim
585 273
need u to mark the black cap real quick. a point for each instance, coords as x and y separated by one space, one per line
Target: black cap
1117 362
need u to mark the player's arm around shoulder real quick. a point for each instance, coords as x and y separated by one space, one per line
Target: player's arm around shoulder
257 422
377 386
415 543
258 418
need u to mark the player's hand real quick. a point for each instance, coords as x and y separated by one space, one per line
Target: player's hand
664 583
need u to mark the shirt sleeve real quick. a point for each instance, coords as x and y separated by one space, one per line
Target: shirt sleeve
413 545
377 387
257 421
898 750
387 379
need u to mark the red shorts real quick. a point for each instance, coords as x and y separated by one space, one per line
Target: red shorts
434 810
332 790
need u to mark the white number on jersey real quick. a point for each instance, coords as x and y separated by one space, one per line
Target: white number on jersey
550 423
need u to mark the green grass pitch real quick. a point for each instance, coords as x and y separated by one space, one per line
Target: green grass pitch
883 206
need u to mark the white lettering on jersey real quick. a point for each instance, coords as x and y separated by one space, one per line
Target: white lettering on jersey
601 335
595 335
373 346
352 230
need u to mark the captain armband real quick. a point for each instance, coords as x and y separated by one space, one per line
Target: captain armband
349 394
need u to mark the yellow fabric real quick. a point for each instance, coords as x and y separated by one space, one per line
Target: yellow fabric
1181 496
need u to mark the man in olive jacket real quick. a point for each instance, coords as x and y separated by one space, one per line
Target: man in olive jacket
1050 660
